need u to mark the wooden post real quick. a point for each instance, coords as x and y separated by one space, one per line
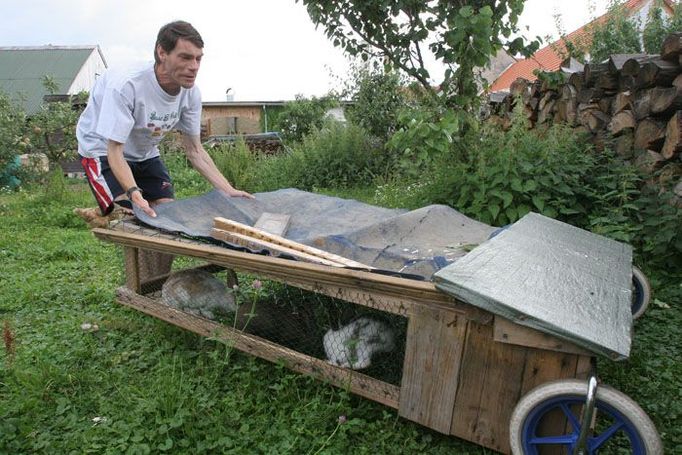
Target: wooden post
435 340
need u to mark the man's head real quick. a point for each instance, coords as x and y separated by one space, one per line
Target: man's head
178 56
169 34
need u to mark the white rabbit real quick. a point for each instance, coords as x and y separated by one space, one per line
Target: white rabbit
353 345
197 292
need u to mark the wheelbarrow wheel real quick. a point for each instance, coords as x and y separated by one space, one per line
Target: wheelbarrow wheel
641 293
547 420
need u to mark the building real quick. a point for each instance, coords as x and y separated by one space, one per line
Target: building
550 58
220 118
72 69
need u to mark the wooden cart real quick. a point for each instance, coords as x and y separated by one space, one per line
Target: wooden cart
464 369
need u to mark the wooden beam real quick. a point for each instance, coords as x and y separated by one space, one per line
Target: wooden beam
505 331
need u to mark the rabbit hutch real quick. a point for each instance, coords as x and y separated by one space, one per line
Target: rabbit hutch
462 369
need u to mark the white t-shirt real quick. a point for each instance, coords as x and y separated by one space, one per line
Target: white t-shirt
131 107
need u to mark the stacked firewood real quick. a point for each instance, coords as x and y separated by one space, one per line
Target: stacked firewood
635 100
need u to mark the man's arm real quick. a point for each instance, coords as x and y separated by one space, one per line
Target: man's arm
202 162
119 166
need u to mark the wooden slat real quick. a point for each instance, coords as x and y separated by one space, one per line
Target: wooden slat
132 268
489 388
506 331
435 340
416 293
358 383
234 227
255 244
274 223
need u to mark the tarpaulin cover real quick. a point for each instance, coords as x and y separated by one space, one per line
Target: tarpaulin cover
554 277
417 242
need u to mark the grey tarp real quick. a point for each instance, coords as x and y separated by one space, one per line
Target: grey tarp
554 277
417 242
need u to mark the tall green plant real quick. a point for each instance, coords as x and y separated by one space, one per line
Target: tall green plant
502 176
378 96
303 115
12 138
236 162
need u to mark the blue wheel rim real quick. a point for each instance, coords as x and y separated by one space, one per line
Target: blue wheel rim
638 295
620 425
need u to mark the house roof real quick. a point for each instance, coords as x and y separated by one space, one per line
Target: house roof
549 57
22 70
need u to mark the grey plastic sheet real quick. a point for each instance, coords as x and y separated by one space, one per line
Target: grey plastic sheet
417 242
553 277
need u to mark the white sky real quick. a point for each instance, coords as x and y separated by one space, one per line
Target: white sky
264 50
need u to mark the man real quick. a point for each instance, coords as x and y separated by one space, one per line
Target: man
127 116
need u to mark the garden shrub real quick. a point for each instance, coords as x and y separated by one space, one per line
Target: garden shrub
339 156
378 97
13 142
237 163
502 176
301 116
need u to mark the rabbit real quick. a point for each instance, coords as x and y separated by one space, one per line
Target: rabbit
197 292
353 345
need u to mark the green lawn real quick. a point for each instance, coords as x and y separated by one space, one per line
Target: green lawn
138 385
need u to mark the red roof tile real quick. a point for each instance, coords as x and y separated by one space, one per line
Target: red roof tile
549 57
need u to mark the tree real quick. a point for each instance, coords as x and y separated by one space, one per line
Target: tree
657 27
461 34
619 34
378 96
301 116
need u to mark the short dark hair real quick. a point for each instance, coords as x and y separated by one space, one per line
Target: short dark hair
170 33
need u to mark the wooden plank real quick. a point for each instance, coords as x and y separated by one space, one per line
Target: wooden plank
239 228
435 340
505 331
132 268
255 244
356 382
416 293
224 224
273 223
489 388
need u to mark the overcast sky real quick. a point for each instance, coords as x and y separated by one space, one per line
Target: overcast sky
264 50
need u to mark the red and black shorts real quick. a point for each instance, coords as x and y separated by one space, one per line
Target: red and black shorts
150 175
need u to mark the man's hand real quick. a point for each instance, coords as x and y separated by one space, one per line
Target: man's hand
137 199
239 193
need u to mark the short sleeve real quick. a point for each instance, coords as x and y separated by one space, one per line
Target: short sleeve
190 116
116 119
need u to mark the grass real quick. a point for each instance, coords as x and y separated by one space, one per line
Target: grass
138 385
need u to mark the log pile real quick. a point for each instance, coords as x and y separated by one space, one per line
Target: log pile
633 100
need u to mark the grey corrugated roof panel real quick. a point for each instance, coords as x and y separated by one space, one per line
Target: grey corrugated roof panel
22 70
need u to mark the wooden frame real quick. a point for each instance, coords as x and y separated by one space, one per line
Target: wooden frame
464 369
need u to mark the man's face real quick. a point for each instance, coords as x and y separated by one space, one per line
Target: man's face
181 65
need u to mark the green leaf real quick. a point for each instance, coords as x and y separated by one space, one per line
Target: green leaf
530 185
494 210
538 202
